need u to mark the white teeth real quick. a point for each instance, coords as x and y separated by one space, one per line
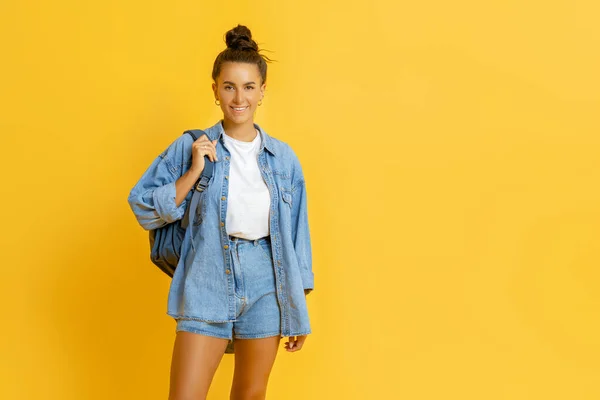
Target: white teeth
240 109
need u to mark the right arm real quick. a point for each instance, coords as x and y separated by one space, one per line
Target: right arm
201 147
184 184
159 197
152 199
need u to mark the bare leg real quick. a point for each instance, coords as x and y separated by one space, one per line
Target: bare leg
254 359
195 360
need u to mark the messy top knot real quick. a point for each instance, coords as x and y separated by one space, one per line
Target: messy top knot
240 38
241 48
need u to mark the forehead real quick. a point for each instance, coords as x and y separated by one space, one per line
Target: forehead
239 73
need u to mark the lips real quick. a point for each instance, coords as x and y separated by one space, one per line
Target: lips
239 109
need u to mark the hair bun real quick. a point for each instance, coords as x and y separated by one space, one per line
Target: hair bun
240 38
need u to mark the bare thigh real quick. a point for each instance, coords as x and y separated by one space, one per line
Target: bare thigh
254 359
195 360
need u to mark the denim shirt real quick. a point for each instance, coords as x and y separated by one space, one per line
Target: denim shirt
201 289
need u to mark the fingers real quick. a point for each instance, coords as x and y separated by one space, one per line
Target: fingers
203 149
295 343
300 342
203 146
288 346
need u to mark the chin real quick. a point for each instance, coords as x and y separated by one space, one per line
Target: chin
239 119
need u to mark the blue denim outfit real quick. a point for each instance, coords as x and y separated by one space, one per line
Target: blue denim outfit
203 286
257 308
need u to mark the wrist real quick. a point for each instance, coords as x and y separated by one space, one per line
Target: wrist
194 172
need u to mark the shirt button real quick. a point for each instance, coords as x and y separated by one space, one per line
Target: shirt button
223 198
227 157
278 262
222 223
227 272
226 176
225 247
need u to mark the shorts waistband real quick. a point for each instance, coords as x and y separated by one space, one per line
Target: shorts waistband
235 239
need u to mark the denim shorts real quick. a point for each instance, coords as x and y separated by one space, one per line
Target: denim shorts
257 308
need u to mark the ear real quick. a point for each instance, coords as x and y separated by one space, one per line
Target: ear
214 88
263 88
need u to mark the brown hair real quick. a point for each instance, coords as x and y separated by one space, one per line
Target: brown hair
241 48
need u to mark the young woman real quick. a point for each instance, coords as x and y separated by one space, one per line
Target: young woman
246 262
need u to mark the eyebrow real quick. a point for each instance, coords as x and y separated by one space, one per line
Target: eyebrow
247 83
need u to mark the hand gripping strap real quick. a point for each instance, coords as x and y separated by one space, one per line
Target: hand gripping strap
200 186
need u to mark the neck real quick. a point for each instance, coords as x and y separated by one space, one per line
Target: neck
244 132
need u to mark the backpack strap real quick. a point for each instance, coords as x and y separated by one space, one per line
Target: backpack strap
202 183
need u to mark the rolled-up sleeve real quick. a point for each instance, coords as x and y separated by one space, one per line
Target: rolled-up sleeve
152 199
300 229
166 208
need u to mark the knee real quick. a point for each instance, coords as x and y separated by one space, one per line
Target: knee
186 396
248 393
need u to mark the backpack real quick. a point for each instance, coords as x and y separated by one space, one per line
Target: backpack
165 242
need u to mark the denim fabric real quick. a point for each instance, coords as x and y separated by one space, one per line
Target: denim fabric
203 286
257 308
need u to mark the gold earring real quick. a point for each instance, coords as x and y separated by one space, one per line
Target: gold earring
260 102
217 102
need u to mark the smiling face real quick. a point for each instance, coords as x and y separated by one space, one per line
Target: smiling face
238 90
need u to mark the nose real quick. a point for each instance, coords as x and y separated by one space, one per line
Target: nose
238 97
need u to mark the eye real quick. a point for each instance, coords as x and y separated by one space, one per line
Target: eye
250 87
228 87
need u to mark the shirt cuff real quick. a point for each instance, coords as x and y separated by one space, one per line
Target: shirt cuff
308 279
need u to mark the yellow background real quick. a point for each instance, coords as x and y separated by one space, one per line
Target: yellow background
451 155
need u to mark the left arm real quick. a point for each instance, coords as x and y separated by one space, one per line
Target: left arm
300 228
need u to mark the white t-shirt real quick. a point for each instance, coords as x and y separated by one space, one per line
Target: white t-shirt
249 199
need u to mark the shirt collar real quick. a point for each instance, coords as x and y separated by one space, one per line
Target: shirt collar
216 132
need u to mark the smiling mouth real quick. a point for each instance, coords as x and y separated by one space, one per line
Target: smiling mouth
239 109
